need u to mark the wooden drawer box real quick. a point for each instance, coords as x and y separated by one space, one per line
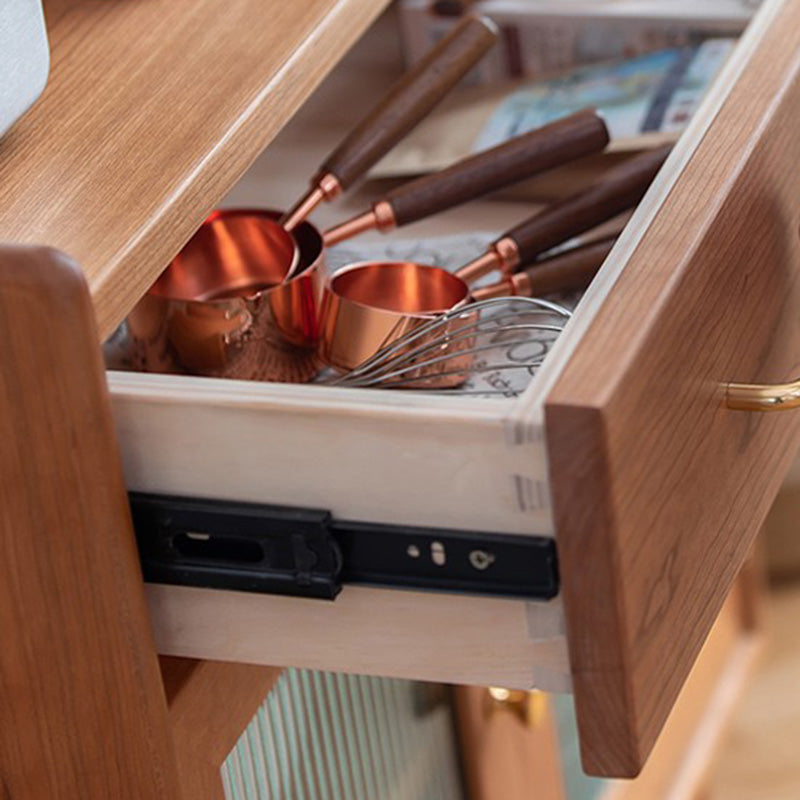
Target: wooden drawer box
621 448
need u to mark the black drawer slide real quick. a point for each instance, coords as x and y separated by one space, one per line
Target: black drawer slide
308 553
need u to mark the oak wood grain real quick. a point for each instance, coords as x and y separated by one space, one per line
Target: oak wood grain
152 112
659 490
82 708
210 705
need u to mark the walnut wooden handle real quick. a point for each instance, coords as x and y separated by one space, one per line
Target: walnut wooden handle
620 189
567 139
568 271
411 100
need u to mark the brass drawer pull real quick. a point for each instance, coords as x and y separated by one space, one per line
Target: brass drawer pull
529 708
763 397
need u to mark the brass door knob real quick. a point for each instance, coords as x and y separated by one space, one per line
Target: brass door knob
529 708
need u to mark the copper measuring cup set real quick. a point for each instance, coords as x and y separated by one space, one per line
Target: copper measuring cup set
203 316
208 313
368 306
440 350
244 298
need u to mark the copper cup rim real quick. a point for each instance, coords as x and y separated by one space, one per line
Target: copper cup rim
426 314
265 214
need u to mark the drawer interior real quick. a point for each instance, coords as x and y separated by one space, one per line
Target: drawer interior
390 456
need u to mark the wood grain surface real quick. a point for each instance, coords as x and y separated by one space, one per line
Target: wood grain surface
658 489
82 708
152 112
210 705
414 635
573 269
683 759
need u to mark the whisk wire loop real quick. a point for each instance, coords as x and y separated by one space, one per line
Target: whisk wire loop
439 353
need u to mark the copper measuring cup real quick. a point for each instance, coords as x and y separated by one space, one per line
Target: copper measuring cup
208 314
369 305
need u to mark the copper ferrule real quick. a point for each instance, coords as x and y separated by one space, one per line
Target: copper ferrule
503 255
324 188
518 284
379 217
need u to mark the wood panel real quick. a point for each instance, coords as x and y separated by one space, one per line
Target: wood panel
505 759
152 112
82 709
446 638
658 489
210 705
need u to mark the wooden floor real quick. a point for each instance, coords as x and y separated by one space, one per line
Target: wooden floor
760 759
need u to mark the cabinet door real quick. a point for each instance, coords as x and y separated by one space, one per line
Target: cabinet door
509 744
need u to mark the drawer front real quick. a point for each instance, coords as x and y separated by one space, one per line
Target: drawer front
659 488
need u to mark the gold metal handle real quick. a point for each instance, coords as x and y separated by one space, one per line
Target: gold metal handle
530 708
763 397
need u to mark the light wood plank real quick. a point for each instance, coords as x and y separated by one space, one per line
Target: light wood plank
82 709
447 638
759 758
153 110
659 490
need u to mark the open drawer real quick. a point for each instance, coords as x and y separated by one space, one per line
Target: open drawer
622 449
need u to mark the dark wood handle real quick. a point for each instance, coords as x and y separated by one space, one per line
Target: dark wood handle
411 100
568 271
619 190
547 147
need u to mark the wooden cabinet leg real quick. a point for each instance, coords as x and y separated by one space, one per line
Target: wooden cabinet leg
82 707
210 705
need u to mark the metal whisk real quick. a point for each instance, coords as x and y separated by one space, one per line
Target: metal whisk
443 352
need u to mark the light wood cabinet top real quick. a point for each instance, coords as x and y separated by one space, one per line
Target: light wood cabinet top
152 111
